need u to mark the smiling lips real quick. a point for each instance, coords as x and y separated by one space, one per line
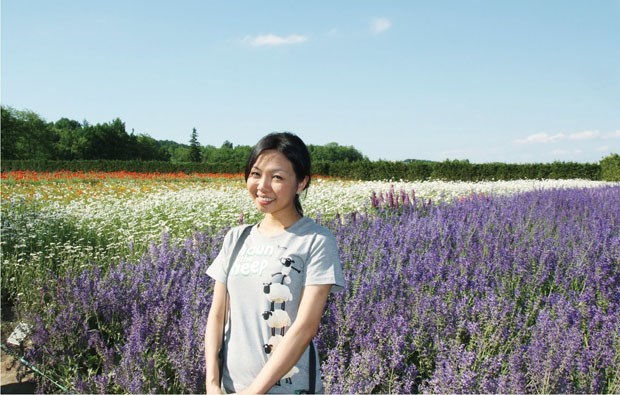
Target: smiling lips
264 200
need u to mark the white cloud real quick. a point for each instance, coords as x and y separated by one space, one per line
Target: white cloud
274 40
541 138
559 152
612 135
379 25
585 135
333 32
564 152
453 153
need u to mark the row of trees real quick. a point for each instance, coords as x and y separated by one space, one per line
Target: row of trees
27 136
456 170
459 170
31 143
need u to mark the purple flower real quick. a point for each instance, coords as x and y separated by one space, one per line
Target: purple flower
484 295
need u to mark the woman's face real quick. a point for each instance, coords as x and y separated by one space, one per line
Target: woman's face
272 184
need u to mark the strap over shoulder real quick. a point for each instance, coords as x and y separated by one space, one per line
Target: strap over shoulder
244 235
231 260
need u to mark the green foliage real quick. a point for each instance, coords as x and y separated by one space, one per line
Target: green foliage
34 243
610 168
26 135
227 155
332 152
219 160
456 170
149 149
30 143
194 147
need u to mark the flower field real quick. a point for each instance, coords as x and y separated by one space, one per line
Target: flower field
451 287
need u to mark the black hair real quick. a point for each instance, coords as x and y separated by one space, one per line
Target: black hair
295 150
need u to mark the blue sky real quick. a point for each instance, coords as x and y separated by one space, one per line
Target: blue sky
506 81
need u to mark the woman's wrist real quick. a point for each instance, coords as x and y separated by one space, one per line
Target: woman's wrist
251 390
214 389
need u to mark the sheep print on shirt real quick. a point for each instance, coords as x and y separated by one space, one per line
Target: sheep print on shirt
265 284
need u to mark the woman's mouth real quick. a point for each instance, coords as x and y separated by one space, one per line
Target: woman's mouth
264 200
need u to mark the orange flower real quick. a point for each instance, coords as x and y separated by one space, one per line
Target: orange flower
28 175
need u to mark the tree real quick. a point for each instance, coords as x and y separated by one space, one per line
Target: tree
147 148
107 141
610 168
333 152
194 147
8 138
72 142
25 135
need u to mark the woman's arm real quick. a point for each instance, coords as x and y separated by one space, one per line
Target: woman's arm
213 337
296 339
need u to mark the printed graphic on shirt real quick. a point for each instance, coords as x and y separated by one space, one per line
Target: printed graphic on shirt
252 261
278 293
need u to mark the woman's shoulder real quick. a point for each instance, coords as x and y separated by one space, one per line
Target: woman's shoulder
311 227
235 232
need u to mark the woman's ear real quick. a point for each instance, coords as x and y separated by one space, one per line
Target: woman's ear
302 185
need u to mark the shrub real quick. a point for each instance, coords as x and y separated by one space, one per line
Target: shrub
610 168
450 170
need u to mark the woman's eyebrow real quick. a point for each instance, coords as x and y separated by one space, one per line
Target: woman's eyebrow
274 170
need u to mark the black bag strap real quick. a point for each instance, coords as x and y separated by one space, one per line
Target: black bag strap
312 373
238 245
231 260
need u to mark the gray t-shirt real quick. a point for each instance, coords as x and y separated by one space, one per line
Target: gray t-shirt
265 285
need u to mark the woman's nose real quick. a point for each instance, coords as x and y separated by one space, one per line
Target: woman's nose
263 184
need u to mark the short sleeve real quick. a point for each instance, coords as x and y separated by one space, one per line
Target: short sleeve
323 266
218 270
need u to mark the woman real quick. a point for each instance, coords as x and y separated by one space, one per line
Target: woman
278 284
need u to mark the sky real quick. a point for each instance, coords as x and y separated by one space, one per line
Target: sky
525 81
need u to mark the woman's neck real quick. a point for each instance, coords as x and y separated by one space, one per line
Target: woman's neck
271 225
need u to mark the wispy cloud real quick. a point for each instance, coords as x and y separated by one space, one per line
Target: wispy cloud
453 153
612 135
585 135
565 152
380 25
273 40
334 31
541 138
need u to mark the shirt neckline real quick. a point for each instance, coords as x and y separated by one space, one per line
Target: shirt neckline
285 232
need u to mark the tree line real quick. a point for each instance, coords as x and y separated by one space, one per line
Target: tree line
27 136
31 143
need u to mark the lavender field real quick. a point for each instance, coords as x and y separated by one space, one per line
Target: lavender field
487 293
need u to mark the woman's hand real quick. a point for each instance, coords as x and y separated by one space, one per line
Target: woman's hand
248 391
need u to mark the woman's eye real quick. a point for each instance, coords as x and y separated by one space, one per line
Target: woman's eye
278 177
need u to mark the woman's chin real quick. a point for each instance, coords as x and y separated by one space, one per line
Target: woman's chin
263 208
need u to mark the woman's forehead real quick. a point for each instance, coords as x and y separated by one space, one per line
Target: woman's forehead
273 160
